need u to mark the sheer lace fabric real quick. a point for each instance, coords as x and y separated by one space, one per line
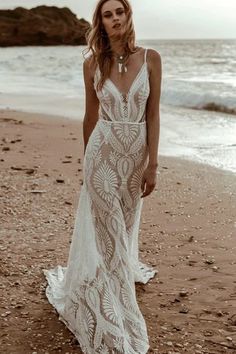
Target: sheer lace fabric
95 293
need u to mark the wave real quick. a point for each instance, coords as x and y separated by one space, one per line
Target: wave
200 99
216 61
212 106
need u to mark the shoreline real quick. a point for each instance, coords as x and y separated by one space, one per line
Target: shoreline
32 116
187 232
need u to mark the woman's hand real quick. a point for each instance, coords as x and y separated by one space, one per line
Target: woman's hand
149 180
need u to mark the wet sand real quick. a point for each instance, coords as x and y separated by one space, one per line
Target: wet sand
188 232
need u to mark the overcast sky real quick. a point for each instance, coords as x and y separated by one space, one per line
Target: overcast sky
161 18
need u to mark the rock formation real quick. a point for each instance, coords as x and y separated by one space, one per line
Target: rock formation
42 25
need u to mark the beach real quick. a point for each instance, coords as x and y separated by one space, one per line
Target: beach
187 232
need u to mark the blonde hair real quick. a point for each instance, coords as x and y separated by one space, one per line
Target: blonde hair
99 43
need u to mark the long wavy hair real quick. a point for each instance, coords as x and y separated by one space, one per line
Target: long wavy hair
99 42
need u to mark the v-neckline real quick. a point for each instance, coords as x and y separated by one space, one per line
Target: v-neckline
132 84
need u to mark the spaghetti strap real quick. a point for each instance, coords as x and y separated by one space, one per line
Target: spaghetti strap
145 55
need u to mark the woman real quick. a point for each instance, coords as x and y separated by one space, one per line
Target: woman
95 294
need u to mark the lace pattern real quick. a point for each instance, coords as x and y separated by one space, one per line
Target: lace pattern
95 293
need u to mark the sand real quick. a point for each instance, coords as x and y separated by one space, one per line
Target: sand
188 232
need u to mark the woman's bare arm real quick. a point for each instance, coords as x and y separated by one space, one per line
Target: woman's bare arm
153 121
91 101
153 111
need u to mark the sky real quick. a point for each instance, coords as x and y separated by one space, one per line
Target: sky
161 19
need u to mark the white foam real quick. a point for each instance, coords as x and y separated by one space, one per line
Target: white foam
194 95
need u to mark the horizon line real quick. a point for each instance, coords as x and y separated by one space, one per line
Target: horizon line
186 39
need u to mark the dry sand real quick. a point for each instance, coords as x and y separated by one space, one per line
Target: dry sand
188 232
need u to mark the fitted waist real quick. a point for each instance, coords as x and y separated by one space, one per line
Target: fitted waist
120 122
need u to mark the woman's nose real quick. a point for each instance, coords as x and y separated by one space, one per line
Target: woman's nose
115 16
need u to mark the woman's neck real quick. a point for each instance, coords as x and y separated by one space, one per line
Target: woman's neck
117 48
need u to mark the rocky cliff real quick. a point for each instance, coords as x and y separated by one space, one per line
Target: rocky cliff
42 25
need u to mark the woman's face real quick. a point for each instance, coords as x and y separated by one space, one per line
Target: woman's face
114 17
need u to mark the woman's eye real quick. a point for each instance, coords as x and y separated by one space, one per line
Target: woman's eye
107 15
120 12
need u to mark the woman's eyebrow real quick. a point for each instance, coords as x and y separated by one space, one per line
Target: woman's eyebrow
118 8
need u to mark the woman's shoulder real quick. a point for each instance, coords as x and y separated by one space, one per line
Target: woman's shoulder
153 60
153 55
90 61
90 65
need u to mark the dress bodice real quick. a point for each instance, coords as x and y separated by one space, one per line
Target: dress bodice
129 107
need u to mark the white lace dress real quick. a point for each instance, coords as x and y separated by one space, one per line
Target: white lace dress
95 294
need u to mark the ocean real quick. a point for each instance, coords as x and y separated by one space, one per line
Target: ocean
198 100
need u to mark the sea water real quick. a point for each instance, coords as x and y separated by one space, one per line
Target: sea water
198 99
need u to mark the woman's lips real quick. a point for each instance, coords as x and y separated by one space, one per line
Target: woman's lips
117 25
